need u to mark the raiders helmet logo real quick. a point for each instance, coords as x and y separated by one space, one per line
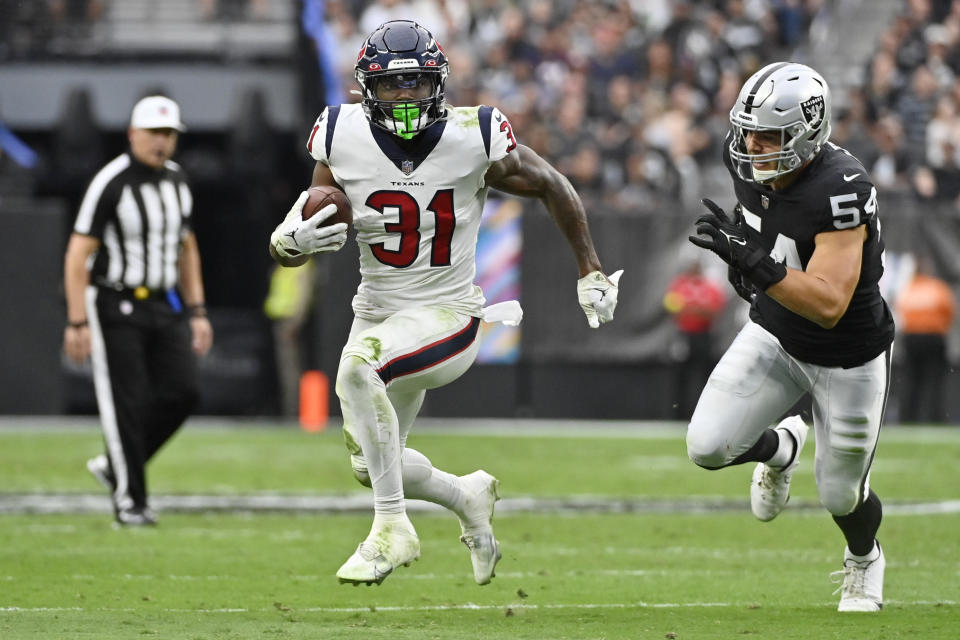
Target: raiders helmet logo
812 111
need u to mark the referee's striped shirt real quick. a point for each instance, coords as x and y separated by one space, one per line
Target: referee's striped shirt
140 215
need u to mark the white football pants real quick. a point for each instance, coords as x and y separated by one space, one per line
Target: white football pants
756 382
385 370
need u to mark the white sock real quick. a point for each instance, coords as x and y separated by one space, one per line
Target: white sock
870 557
423 481
785 451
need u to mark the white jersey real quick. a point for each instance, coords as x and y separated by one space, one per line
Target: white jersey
416 207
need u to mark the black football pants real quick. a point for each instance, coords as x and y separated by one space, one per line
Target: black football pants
145 375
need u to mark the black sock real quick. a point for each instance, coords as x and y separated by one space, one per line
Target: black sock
860 527
763 450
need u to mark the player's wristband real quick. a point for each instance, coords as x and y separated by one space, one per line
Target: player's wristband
77 325
197 310
762 270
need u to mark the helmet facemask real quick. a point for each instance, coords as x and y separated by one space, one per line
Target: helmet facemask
407 117
787 158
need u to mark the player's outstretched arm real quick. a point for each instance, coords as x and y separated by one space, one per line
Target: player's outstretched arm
525 173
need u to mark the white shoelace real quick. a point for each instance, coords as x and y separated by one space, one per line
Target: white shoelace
852 579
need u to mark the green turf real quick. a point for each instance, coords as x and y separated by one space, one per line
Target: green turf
563 575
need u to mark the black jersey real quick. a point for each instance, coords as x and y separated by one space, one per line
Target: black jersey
833 193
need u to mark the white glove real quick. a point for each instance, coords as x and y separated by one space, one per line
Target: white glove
295 236
598 296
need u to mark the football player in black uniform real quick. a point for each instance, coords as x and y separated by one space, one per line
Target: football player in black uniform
803 246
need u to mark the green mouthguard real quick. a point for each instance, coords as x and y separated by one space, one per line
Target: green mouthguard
405 115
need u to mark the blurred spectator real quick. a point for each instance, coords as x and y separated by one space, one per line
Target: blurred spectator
943 134
926 310
884 84
792 21
851 128
746 36
444 18
915 108
939 41
695 302
888 162
651 181
912 50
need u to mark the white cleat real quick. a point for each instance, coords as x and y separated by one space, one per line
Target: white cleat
862 588
395 544
482 491
770 488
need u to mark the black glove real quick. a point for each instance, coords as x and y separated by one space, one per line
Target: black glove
741 285
728 239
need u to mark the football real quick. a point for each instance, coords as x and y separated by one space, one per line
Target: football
319 197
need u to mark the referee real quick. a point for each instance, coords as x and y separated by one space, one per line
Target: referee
135 303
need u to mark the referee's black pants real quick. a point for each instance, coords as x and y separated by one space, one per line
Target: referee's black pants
145 375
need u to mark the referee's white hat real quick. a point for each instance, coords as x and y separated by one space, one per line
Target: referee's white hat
156 112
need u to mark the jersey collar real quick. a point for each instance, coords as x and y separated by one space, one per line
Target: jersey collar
407 155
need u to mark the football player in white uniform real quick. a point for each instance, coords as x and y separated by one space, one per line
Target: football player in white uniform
417 172
804 247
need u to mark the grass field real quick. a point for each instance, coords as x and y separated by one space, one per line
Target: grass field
608 531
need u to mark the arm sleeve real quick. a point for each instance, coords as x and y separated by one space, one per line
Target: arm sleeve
846 205
186 208
319 141
499 133
95 207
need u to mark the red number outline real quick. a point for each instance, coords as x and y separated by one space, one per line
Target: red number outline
505 126
408 226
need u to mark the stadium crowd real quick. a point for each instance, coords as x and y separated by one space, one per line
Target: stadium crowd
630 99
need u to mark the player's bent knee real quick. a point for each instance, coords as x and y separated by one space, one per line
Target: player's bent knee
839 500
359 466
416 467
705 452
363 477
353 374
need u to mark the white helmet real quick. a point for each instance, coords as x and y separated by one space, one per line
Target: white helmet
784 96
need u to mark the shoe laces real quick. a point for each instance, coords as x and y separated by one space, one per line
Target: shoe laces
852 577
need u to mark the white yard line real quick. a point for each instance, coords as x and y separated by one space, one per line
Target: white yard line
501 428
59 503
467 606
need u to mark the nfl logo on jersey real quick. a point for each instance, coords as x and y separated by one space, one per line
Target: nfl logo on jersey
407 167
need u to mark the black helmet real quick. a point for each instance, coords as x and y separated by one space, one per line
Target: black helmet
402 53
